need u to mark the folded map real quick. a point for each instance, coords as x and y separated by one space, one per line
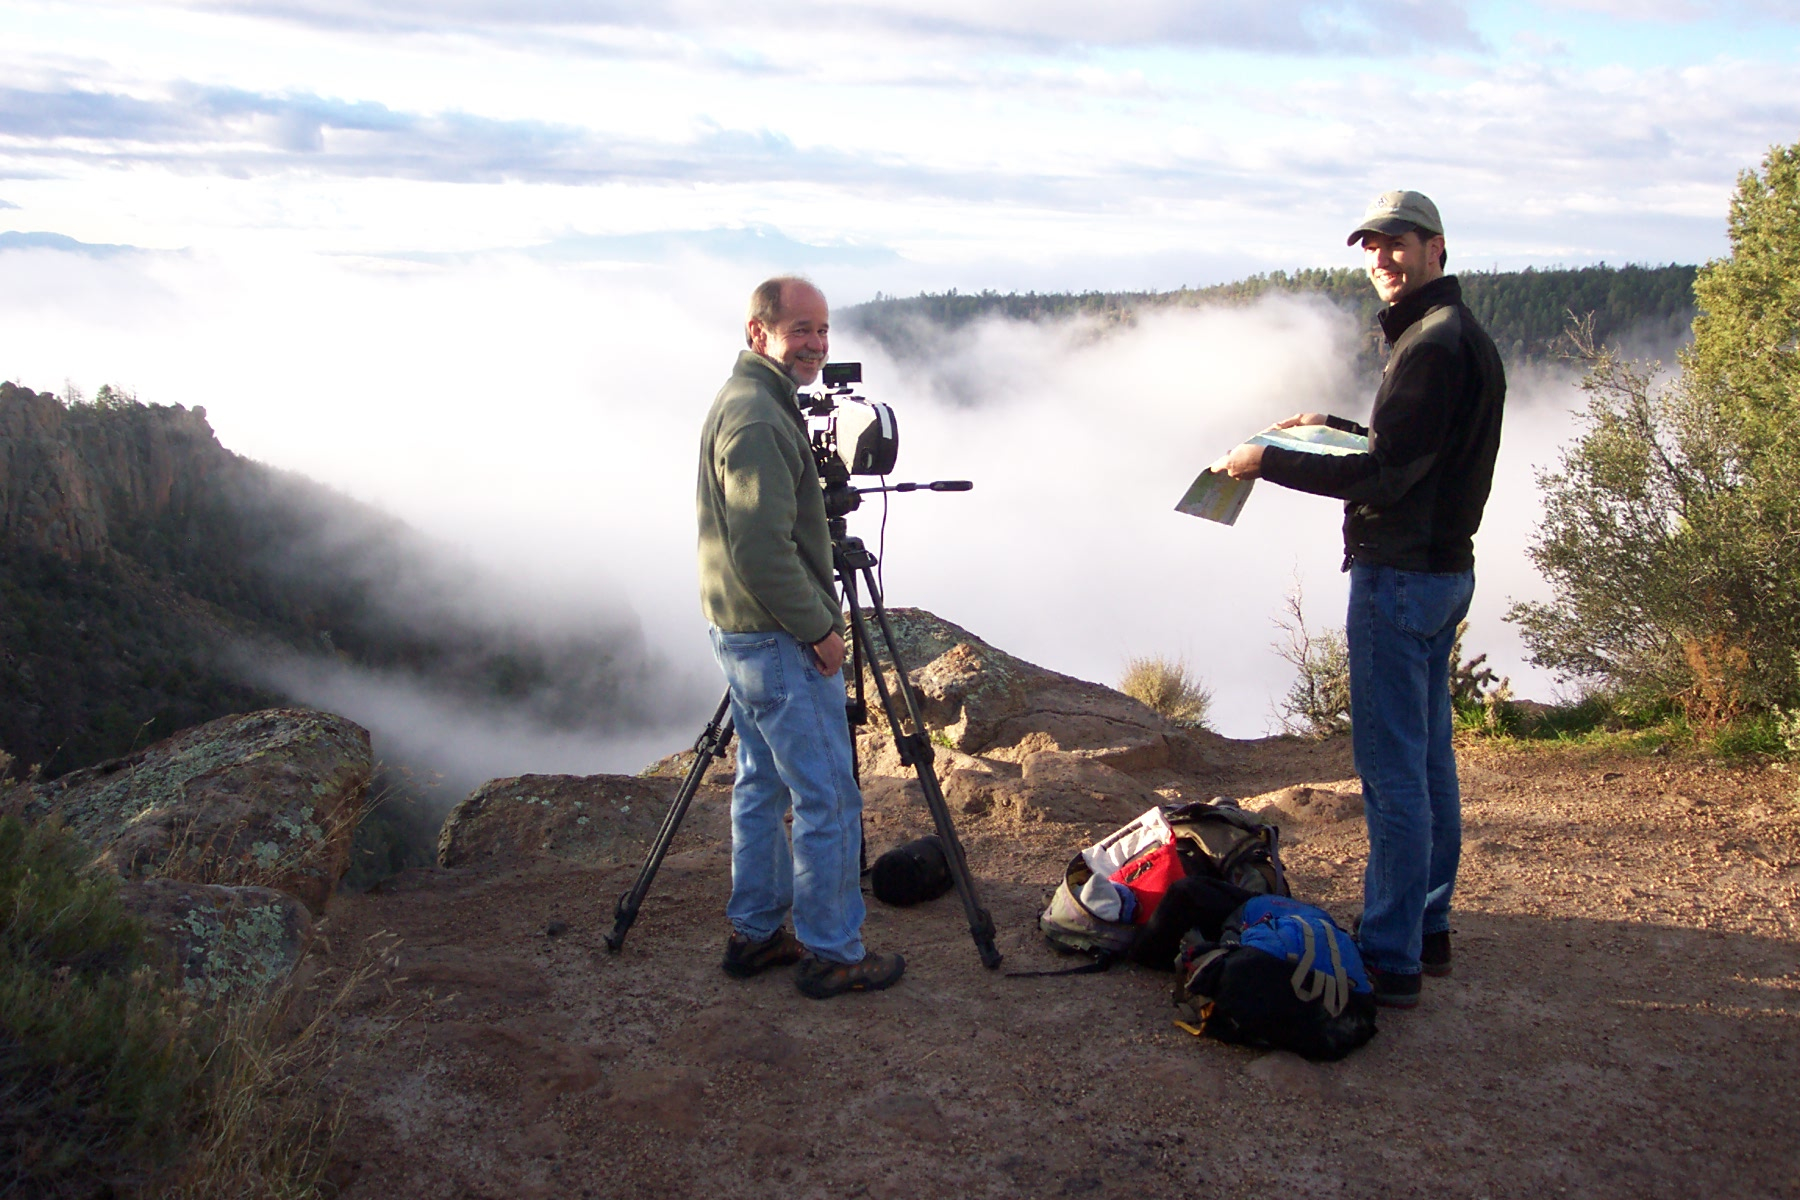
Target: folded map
1218 497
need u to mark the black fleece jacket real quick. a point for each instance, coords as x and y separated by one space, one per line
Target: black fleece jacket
1414 501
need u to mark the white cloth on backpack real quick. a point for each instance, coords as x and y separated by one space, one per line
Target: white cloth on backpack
1100 896
1105 857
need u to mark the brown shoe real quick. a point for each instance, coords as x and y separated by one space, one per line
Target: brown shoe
744 958
1434 957
822 979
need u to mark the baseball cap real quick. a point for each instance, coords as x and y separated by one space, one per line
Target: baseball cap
1393 213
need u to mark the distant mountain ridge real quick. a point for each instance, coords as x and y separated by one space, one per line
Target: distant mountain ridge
142 565
1527 312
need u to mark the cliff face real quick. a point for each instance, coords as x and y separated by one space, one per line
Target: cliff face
69 477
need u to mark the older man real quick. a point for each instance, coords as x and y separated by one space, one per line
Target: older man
1412 505
769 592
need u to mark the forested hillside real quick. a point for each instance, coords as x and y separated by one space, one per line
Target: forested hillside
145 570
1526 311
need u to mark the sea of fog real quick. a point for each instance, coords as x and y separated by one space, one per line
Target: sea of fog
541 419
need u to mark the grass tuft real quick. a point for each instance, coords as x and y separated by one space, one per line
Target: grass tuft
1166 687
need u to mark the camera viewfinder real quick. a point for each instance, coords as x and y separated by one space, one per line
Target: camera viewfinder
842 374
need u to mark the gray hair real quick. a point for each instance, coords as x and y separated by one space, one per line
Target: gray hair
765 301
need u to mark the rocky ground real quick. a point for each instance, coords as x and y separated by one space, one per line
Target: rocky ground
1623 1021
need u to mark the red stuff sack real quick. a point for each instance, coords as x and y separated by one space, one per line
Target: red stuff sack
1149 876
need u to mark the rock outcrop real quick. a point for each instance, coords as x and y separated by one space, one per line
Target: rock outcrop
1014 745
586 819
265 799
982 701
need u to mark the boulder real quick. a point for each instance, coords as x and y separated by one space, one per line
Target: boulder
581 818
983 701
222 942
262 799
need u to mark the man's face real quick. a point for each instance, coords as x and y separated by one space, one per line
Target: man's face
796 340
1399 266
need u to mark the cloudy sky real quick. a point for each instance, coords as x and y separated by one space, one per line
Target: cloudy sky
964 143
482 261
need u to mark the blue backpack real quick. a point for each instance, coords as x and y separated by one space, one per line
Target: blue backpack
1282 975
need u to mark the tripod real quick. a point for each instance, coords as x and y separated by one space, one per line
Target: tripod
851 561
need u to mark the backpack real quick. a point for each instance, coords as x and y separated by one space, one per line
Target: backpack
1281 975
1221 840
1216 841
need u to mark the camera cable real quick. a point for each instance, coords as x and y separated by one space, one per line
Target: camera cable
881 541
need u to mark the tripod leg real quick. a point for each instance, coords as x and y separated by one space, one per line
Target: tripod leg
710 745
915 749
856 713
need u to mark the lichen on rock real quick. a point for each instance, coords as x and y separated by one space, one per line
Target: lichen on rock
222 942
268 798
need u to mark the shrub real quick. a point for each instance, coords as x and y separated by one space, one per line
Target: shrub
1166 686
97 1074
1318 703
114 1083
1668 532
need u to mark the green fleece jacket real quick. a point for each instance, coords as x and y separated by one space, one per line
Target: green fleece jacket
765 550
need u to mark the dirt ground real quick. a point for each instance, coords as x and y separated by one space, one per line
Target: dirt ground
1623 1021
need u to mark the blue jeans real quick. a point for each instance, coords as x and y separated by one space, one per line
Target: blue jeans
1400 630
793 752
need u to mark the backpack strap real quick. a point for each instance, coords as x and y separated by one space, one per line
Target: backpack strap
1310 984
1098 966
1263 847
1281 883
1200 964
1339 995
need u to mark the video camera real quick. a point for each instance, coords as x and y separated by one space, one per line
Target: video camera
853 436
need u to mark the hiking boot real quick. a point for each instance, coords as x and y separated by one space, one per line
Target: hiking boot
821 979
744 957
1434 955
1394 991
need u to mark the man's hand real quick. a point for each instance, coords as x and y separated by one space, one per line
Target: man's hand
1303 419
828 652
1243 463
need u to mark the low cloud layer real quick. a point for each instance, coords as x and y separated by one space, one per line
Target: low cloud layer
542 421
446 745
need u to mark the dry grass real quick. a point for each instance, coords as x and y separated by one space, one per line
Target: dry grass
1167 687
270 1118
